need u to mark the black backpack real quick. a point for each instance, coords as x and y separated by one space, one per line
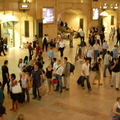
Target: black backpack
95 67
111 53
45 40
72 67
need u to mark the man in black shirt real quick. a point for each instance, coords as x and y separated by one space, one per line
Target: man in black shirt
5 75
30 67
37 81
115 73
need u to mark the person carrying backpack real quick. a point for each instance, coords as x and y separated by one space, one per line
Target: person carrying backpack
66 74
45 42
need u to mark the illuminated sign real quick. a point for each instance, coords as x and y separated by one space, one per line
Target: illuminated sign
48 15
24 6
95 14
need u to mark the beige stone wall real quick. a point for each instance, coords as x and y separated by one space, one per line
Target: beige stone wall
82 7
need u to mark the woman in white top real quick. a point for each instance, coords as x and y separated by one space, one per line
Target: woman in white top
24 84
61 47
14 96
20 65
111 34
116 109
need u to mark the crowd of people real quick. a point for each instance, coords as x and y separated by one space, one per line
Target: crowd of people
33 74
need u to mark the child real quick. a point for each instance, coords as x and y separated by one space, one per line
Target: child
51 54
1 95
98 72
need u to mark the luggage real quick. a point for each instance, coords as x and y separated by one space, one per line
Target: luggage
81 80
21 98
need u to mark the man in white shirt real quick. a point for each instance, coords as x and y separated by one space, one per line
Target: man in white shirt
107 60
81 33
61 47
85 74
96 48
89 53
58 75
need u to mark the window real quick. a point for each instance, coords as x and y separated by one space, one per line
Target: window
26 28
112 20
95 15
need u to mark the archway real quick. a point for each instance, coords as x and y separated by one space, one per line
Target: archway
15 26
109 20
75 18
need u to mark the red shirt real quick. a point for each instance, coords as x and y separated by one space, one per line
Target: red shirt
38 50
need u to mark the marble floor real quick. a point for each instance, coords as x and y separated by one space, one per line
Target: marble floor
75 104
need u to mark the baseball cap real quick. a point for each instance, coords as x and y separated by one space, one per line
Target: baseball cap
2 110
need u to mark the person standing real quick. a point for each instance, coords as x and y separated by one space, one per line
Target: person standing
38 49
2 112
78 53
30 49
1 95
71 40
5 43
105 47
98 72
45 42
58 76
35 40
96 48
66 73
116 109
102 37
61 47
24 85
85 74
30 67
111 34
107 60
2 46
51 54
62 35
37 81
49 75
5 75
89 54
115 51
14 96
115 73
81 33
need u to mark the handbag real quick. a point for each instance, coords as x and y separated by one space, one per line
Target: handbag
55 81
16 89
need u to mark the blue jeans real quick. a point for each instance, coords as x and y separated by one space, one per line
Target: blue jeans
59 84
105 67
87 81
96 53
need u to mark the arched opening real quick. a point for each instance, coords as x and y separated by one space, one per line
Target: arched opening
16 27
74 18
109 20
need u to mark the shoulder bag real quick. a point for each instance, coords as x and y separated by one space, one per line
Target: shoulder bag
16 89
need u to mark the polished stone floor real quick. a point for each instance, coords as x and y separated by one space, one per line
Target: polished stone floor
75 104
